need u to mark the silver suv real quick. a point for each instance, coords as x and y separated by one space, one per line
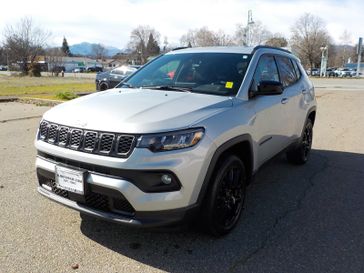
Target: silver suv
180 139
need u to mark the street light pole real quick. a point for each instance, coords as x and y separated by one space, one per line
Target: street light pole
324 58
360 48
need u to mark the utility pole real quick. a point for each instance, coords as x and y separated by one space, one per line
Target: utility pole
249 35
360 49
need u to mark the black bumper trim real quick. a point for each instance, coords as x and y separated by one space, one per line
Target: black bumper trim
140 219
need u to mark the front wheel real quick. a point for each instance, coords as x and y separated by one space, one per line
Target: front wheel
226 196
299 154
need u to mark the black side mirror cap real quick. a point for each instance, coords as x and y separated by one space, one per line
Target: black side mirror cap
269 88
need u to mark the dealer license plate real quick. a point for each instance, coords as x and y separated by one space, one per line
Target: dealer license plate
70 180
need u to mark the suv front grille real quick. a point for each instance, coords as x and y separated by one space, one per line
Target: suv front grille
96 142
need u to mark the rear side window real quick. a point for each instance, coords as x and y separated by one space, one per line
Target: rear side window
286 70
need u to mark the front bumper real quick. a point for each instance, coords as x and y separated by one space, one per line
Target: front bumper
139 219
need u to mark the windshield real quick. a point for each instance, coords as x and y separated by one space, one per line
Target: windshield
209 73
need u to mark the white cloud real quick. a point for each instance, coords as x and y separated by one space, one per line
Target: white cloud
110 22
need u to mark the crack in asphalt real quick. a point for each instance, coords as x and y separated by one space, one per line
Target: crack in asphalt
18 119
270 231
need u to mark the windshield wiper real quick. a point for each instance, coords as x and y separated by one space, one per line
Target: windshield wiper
167 88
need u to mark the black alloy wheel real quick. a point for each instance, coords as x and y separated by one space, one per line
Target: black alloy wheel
226 197
300 154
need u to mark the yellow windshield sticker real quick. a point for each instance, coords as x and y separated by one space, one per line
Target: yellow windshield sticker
229 85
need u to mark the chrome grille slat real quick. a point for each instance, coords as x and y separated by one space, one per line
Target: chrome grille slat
110 144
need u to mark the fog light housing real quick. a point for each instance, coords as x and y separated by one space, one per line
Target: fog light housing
166 179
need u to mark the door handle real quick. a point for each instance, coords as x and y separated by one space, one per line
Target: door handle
284 100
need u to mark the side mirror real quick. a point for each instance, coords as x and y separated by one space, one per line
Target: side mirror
269 88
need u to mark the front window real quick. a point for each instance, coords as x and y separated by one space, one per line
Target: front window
207 73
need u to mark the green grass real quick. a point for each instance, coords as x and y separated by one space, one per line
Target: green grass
44 87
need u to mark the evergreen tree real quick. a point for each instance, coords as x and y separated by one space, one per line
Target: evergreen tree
152 46
65 48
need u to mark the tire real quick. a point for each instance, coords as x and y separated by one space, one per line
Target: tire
103 86
300 154
225 197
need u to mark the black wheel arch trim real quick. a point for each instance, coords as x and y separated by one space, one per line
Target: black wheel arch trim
215 158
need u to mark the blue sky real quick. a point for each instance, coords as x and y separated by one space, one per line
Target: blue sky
110 22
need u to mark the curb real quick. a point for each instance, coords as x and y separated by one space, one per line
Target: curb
40 102
8 99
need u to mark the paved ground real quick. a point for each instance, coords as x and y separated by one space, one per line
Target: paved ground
298 219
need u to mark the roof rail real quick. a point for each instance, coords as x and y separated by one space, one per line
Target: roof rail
181 47
271 47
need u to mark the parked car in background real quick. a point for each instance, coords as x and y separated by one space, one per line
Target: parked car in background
79 69
315 72
330 72
343 72
111 78
94 69
3 68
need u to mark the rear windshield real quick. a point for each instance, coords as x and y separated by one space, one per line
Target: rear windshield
209 73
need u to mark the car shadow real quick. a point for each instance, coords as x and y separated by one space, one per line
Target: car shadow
283 201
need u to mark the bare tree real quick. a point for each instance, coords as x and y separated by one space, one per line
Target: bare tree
345 41
258 34
206 37
138 41
309 34
98 51
277 40
23 43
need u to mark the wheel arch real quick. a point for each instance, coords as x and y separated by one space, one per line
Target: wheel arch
242 147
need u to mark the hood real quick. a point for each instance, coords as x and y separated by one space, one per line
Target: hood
137 110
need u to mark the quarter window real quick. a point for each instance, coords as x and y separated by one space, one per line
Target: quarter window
286 70
297 69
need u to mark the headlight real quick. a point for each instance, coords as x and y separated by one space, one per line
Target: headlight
171 141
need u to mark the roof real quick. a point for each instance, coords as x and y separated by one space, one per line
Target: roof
215 49
226 49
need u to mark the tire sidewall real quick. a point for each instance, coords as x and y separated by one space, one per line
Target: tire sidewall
208 210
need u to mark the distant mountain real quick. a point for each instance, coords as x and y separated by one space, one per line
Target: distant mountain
85 49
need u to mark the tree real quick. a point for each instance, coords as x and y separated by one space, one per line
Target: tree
252 35
205 37
309 34
277 40
23 43
138 41
65 48
98 51
152 46
3 60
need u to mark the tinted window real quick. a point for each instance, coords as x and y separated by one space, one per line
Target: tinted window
286 70
210 73
266 71
297 69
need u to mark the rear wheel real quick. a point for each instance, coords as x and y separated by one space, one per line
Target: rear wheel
300 154
226 196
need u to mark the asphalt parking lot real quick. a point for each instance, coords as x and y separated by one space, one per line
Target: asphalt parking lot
297 219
